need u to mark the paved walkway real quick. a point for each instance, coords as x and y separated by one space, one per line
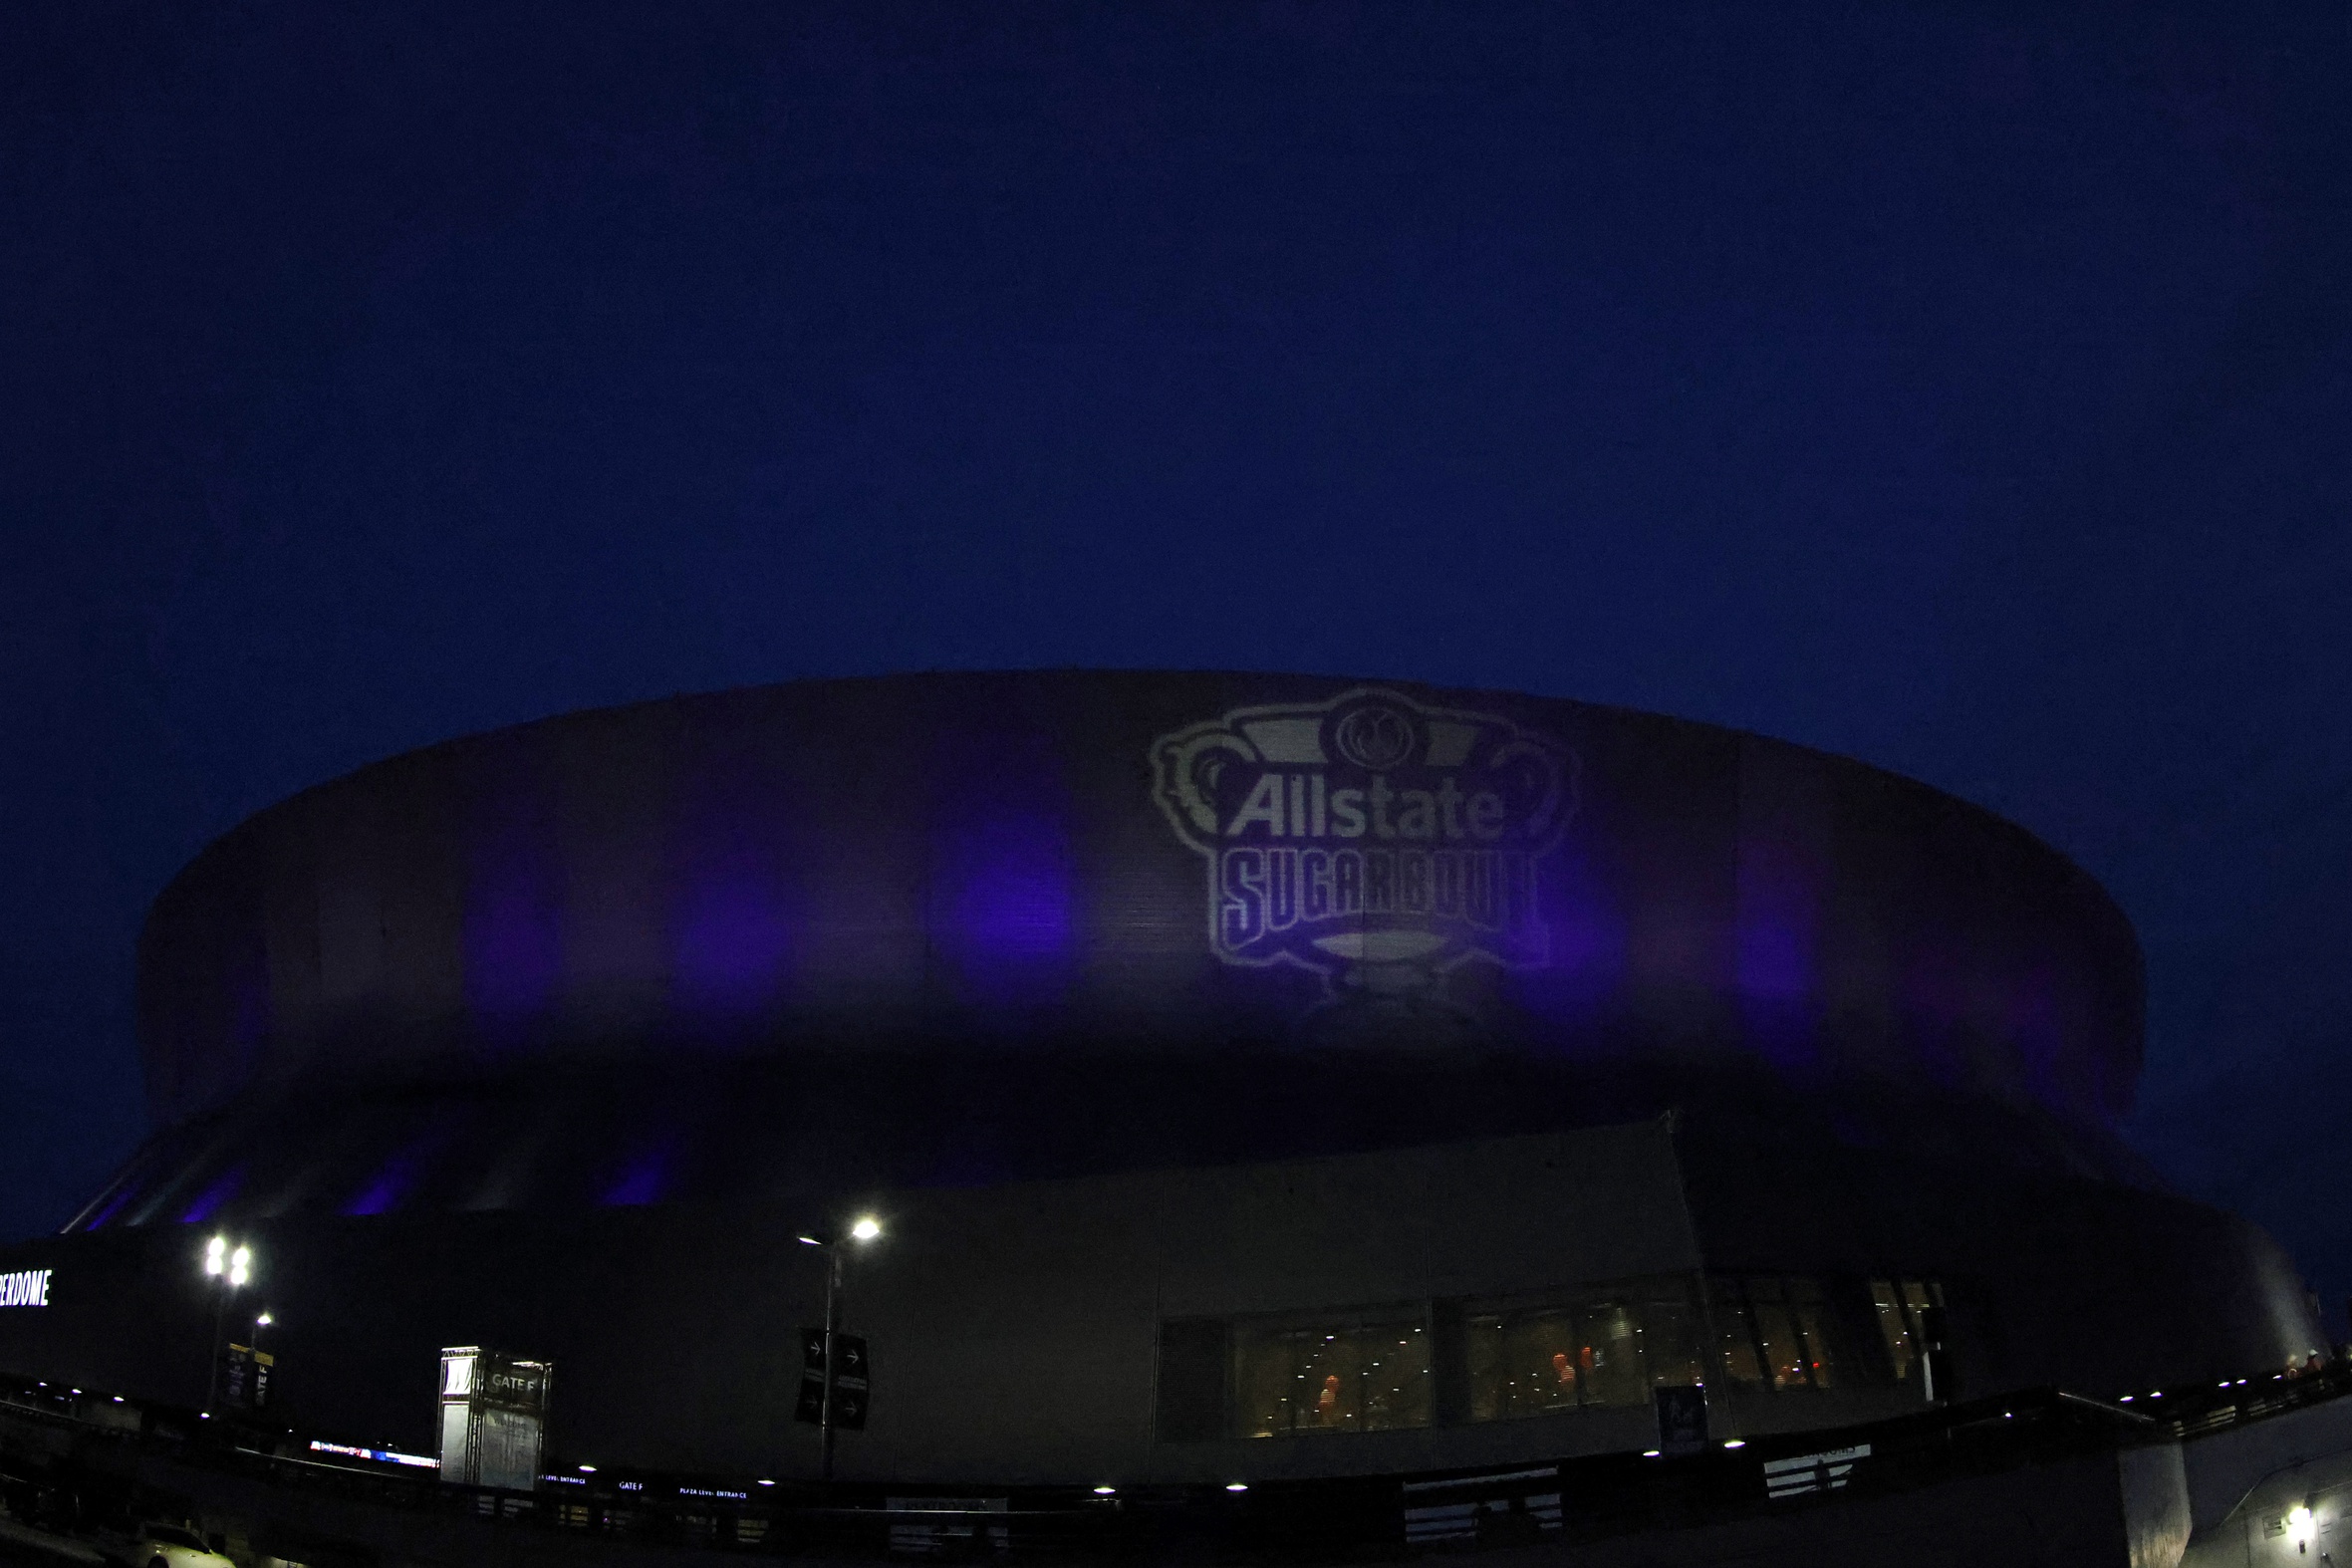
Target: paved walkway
22 1546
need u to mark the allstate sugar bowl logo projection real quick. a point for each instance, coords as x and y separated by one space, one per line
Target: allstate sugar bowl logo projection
1369 837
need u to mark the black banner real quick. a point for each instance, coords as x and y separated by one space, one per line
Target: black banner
850 1390
1682 1419
245 1377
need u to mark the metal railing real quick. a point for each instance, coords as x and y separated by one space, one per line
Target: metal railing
1581 1497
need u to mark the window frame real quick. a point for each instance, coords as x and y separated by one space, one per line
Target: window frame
1638 1296
1248 1333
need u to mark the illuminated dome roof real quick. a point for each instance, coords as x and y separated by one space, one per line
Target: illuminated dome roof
1053 920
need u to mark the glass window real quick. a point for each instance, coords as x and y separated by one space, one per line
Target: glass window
1810 1315
1735 1333
1895 1326
1608 1356
1523 1363
1777 1333
1366 1375
1776 1338
1899 1303
1607 1350
1669 1344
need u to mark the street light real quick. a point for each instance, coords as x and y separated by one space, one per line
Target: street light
863 1229
219 1260
228 1267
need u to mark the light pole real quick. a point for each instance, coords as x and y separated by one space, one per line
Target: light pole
228 1268
863 1229
257 1375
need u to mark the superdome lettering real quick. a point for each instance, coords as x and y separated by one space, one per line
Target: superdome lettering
25 1288
1368 830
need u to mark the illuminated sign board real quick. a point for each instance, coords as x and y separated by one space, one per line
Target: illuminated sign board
1369 832
25 1288
492 1411
381 1455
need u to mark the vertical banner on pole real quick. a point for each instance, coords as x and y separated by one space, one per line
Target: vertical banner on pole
850 1381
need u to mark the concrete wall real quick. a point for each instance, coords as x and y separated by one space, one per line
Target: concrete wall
1014 1329
2242 1485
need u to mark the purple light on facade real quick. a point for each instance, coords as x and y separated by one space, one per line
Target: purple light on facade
1775 941
1935 1011
2054 1076
1775 962
128 1183
1778 924
643 1180
1586 939
209 1200
1010 897
733 901
732 940
1004 881
392 1181
383 1193
1008 908
249 1014
113 1205
1587 930
512 932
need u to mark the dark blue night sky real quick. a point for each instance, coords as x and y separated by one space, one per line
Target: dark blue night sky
1964 389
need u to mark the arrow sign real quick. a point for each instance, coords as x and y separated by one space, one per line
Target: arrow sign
850 1368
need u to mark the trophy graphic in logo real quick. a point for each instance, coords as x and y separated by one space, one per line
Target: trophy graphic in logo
1369 837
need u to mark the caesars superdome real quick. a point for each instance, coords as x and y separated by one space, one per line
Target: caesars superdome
1196 1035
